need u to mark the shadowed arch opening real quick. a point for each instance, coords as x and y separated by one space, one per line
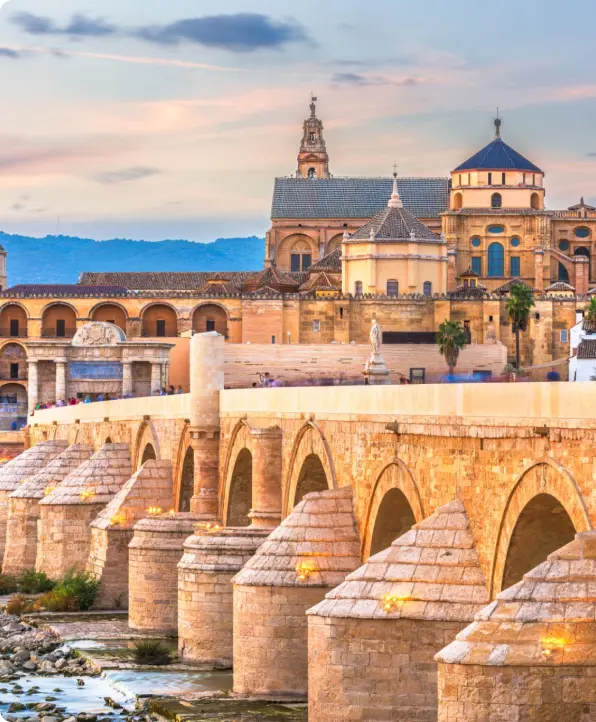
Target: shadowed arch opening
312 477
240 495
543 527
394 518
108 440
187 481
148 454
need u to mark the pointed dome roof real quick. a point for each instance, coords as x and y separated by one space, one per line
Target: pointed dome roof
394 223
497 155
431 572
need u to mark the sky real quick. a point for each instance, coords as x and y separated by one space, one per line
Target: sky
148 119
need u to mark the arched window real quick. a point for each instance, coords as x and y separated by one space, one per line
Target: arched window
496 200
496 260
457 201
358 288
535 201
312 173
392 287
427 288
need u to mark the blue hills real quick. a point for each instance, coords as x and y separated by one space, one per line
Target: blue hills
60 259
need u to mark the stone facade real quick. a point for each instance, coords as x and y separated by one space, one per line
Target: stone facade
66 513
530 654
205 599
393 613
18 470
154 552
23 508
312 550
112 530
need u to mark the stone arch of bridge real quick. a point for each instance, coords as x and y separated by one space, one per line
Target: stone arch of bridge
183 472
146 435
239 498
240 440
310 441
545 496
395 505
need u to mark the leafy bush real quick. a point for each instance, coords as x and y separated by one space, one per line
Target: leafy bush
74 593
152 652
8 584
35 583
19 605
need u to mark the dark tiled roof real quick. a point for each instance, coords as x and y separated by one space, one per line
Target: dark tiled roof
469 273
587 349
582 206
165 281
322 282
560 286
499 212
497 155
589 326
356 197
330 262
506 287
393 224
272 276
64 290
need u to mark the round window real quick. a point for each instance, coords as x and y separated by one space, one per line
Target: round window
476 242
564 245
515 241
496 229
582 232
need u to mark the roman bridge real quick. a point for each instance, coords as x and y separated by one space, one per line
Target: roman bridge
286 491
517 455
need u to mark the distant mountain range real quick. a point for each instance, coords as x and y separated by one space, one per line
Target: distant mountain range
60 259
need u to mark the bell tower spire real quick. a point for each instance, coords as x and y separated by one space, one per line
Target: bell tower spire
313 161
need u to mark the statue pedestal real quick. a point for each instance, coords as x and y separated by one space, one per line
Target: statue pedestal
376 372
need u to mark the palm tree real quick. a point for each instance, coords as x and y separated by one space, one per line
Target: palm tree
590 310
519 303
451 339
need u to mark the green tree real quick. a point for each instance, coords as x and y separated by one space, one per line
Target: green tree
451 339
519 304
590 310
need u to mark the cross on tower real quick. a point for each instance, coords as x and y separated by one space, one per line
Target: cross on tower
395 169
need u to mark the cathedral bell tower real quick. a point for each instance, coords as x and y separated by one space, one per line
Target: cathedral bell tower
313 161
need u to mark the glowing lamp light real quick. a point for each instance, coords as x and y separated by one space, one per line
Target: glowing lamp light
154 510
550 645
3 460
208 527
304 570
48 490
392 602
117 519
172 512
87 494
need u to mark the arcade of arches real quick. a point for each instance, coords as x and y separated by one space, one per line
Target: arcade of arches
110 313
59 321
210 317
159 321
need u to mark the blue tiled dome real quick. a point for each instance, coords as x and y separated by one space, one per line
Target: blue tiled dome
497 155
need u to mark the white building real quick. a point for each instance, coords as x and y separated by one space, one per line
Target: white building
582 362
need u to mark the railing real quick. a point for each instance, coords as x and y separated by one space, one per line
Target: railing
12 409
574 214
53 333
7 333
5 376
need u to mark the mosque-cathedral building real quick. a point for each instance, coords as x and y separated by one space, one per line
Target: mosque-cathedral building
410 252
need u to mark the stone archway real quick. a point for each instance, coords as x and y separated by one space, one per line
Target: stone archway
240 491
310 441
547 493
148 454
543 527
186 481
395 505
312 477
146 436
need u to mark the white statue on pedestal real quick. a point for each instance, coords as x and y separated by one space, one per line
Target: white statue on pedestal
376 338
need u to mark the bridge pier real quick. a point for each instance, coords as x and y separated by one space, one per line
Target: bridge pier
13 473
372 641
23 508
530 655
154 553
66 513
205 592
309 553
112 529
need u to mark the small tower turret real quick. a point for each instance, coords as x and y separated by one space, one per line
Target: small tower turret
313 161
